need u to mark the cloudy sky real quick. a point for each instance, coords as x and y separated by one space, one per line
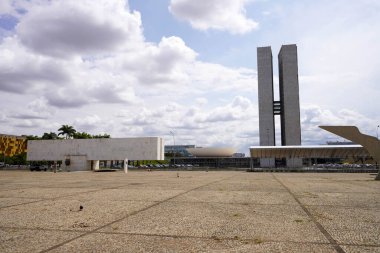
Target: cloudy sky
145 68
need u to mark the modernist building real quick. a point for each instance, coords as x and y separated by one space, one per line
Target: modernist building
178 150
11 145
287 107
85 154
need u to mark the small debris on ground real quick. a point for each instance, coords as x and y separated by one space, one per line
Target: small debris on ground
80 225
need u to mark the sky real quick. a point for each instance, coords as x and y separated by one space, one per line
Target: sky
147 68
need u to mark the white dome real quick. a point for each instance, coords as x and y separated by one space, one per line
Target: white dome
212 152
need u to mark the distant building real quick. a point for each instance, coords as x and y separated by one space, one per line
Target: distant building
178 150
288 108
11 145
238 155
340 143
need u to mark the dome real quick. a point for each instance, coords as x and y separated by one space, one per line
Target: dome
212 152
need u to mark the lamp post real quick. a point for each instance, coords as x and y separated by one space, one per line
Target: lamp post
172 133
377 132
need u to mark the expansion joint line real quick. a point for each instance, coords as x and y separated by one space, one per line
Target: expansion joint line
131 214
332 241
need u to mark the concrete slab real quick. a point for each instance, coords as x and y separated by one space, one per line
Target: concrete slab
238 197
275 222
42 193
14 240
188 211
128 194
253 185
350 225
343 199
361 249
141 243
66 214
5 202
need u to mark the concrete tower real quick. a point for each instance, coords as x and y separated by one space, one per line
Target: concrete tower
265 89
290 102
289 96
288 107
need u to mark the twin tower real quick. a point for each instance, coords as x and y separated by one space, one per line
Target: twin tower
288 107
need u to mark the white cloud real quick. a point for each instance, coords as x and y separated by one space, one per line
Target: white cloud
5 7
22 71
126 86
214 126
217 77
3 117
222 15
37 109
66 28
88 123
162 63
315 115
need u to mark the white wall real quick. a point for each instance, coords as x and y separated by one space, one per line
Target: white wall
144 148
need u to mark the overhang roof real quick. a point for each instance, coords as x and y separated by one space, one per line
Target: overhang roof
315 151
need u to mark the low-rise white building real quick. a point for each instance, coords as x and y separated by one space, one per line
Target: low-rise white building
85 154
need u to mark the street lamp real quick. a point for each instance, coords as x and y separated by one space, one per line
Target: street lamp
377 132
172 133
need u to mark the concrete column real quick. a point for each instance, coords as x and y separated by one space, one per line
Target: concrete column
95 165
125 164
292 162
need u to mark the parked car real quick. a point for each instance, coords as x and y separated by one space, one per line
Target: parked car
37 167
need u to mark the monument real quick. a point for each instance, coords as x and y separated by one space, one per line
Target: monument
287 107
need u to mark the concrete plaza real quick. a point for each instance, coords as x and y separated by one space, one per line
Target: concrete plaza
225 211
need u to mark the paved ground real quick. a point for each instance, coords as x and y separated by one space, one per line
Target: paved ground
188 212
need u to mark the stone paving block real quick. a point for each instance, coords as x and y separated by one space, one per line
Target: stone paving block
340 199
361 249
259 185
42 193
262 222
239 197
66 214
5 202
146 194
141 243
223 211
349 225
21 240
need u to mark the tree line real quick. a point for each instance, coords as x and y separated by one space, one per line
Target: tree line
67 132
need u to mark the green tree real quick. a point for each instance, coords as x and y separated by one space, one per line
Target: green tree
49 136
82 135
67 131
99 136
32 137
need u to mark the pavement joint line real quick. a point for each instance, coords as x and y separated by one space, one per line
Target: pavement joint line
55 198
188 236
332 241
131 214
42 200
213 238
262 204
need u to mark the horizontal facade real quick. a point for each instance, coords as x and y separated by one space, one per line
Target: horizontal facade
77 154
318 151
